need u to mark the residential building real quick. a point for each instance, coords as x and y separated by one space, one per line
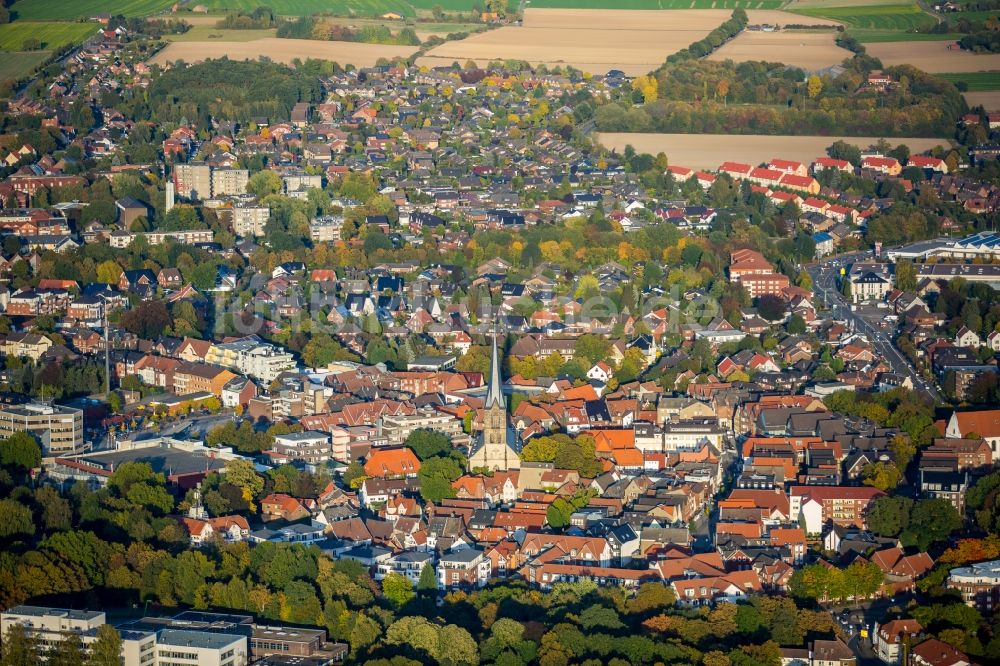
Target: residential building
193 180
229 182
892 637
250 219
309 446
463 568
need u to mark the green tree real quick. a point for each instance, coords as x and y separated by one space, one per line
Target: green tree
20 648
106 650
931 521
20 451
264 183
242 474
15 520
427 585
436 476
889 516
429 443
651 597
67 652
398 589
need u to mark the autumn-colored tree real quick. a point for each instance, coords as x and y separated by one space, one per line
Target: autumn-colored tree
814 86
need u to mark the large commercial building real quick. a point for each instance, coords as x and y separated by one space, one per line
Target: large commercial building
983 245
58 429
979 584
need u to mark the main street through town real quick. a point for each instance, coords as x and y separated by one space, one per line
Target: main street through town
824 276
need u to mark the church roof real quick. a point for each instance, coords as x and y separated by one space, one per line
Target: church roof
494 393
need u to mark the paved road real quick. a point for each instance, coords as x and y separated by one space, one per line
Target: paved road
825 285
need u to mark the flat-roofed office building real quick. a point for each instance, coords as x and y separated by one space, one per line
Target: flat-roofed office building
58 428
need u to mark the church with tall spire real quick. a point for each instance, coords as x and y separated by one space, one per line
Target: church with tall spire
496 447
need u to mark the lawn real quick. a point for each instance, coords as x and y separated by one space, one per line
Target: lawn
52 35
19 65
978 81
898 18
49 10
657 4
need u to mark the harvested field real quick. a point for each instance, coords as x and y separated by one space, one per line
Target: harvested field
782 18
591 40
989 100
809 50
933 57
708 151
596 40
282 50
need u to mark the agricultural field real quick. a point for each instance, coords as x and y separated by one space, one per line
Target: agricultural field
881 18
591 40
15 66
809 50
933 57
50 10
989 100
51 35
876 36
656 4
201 33
708 151
977 81
307 7
282 50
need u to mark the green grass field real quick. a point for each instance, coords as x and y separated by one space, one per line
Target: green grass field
882 18
307 7
978 81
50 10
52 35
202 33
657 4
873 36
19 65
971 16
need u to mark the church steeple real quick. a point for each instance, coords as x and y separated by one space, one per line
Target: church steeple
494 393
497 447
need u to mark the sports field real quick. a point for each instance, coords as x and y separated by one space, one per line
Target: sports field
51 10
15 66
51 35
